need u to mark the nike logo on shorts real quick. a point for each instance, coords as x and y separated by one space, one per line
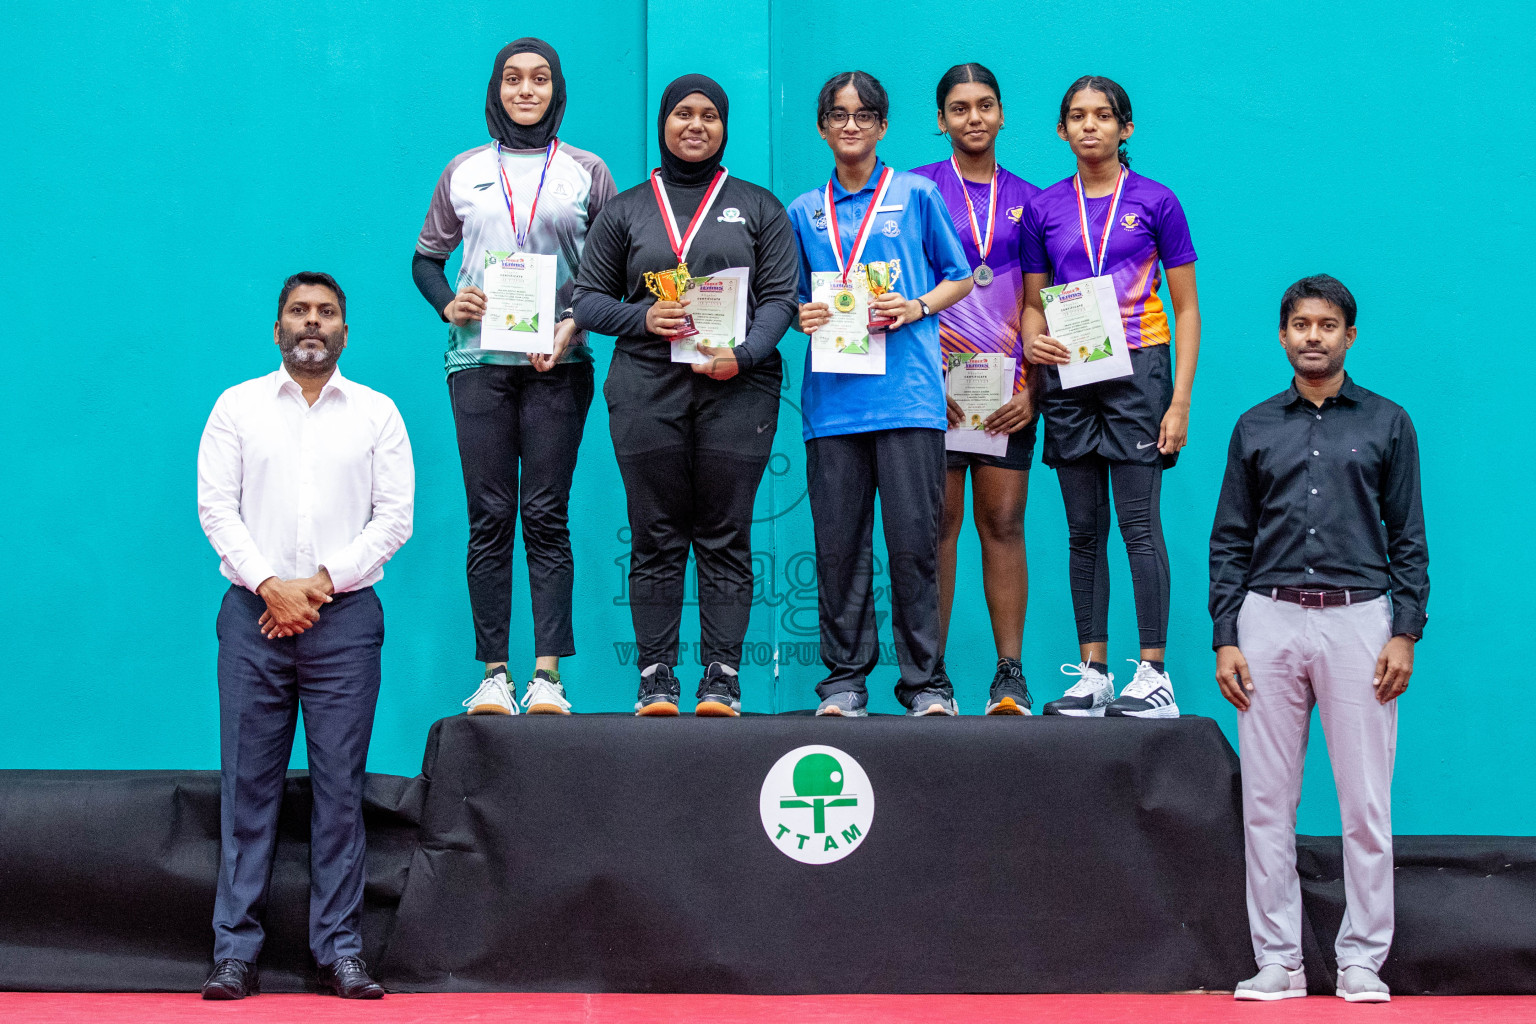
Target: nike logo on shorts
1145 444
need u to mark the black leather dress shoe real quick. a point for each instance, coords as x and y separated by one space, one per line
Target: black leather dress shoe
232 979
348 978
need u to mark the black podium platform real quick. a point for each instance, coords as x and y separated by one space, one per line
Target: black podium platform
615 853
605 853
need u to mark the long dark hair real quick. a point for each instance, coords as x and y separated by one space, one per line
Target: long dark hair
871 93
962 73
1119 104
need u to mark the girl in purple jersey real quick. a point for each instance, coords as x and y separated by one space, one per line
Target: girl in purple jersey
986 204
1106 221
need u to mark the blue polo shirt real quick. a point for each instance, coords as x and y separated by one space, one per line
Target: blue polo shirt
913 226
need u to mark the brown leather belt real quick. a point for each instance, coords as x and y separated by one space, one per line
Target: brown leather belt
1322 598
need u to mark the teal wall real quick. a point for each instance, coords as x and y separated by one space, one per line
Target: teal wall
166 165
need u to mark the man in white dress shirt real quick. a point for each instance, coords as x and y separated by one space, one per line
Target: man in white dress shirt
305 488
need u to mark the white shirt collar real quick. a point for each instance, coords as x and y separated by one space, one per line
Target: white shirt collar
337 382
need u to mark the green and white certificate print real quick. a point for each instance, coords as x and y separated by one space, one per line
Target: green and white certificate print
718 305
845 344
1085 316
519 303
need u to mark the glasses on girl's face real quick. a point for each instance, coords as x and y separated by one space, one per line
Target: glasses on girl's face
865 119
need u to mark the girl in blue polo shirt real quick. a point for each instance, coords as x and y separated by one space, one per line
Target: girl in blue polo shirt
877 431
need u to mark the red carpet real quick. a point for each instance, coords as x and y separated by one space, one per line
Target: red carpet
514 1008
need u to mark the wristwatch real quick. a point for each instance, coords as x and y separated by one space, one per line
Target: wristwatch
565 314
926 310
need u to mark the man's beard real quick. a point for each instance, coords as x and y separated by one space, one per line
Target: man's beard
309 361
1329 371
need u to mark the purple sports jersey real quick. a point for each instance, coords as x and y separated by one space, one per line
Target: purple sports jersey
986 320
1149 227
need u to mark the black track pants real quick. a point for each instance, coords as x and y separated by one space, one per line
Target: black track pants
519 431
845 472
692 452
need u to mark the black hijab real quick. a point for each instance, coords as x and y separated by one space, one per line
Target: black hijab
674 169
507 131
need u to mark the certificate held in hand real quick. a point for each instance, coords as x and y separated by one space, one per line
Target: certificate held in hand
1085 317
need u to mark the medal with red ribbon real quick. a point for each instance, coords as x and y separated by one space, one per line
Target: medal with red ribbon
1097 266
670 285
843 299
521 237
983 273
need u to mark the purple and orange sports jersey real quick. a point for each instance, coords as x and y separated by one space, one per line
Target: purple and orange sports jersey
1149 228
986 320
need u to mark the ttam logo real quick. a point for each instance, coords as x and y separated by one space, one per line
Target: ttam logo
816 804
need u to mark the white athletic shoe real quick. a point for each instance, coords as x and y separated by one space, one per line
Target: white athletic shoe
1088 697
1273 982
493 698
1149 694
545 697
1361 985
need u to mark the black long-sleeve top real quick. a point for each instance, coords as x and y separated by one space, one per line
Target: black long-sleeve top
746 227
1321 498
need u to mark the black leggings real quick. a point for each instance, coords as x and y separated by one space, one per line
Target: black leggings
1085 488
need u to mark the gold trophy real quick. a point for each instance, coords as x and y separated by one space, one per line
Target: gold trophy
669 286
882 276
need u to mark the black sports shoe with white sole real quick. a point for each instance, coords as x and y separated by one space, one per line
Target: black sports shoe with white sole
1086 698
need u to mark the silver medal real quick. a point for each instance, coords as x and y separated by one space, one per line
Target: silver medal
983 275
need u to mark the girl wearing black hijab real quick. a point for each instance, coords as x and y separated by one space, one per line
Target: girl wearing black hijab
519 418
692 440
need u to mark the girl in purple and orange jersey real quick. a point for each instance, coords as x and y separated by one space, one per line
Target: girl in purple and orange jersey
987 204
1121 433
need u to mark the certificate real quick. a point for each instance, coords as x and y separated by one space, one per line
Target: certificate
845 344
519 302
718 305
1085 316
980 385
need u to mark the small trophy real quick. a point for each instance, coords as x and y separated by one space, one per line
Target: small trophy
669 285
882 277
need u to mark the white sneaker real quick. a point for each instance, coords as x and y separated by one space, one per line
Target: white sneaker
545 697
1088 697
493 698
1273 982
1149 694
1361 985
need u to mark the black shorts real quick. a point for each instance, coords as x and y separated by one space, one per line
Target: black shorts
1020 453
1117 419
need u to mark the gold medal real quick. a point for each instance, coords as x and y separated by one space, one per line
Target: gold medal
843 301
983 275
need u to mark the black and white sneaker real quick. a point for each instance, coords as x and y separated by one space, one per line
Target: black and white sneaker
719 692
1086 698
1010 696
659 692
1148 695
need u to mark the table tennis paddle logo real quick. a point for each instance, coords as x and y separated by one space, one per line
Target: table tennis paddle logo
816 804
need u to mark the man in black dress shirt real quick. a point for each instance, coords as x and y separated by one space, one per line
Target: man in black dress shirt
1319 581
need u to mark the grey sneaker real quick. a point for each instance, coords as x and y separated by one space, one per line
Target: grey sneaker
659 692
719 692
1273 982
848 704
1361 985
932 701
